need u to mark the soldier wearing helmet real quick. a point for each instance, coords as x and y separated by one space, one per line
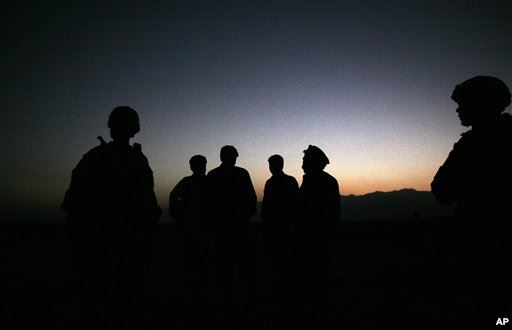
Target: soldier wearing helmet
477 177
318 212
112 207
124 118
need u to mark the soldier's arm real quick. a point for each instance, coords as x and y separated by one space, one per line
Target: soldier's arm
295 191
335 200
263 202
251 198
292 196
153 210
338 202
174 202
445 183
79 198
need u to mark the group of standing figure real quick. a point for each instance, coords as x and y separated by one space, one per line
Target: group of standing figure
297 225
113 211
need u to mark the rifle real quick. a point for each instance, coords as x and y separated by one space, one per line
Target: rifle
99 137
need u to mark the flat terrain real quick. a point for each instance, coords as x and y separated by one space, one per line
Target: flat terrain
385 274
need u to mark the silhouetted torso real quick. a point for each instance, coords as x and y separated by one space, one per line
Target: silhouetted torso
112 210
188 201
278 212
318 211
233 203
112 183
319 203
277 215
279 199
477 174
232 195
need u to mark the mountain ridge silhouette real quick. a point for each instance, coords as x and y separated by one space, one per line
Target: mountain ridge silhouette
399 204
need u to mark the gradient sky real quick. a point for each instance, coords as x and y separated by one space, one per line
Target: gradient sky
367 82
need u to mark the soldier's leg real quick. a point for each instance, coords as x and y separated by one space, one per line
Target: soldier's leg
321 281
96 275
128 246
224 261
246 258
86 273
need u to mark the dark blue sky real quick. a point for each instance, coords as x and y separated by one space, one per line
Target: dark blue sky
368 82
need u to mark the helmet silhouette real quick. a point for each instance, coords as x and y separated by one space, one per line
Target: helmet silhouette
484 91
126 117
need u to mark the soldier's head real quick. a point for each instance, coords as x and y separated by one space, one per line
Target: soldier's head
123 123
314 159
228 155
480 99
275 164
198 164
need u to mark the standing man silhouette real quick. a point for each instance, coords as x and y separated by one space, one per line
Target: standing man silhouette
233 203
318 212
188 207
477 177
112 208
278 212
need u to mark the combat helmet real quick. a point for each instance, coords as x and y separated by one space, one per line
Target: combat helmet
124 116
484 91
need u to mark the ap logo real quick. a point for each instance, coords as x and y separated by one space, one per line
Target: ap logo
502 321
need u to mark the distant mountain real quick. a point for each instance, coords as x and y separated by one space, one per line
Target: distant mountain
392 205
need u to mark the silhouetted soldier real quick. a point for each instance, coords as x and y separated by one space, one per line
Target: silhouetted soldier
112 207
277 215
318 212
477 176
188 200
233 203
188 207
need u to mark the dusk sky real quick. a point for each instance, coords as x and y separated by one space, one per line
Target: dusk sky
367 82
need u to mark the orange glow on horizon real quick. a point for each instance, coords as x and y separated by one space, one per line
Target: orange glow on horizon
347 186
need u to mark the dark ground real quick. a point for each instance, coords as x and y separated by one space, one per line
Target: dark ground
385 275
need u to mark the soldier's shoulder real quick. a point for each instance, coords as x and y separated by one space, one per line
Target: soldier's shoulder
241 171
96 153
137 155
213 171
290 178
137 149
186 180
466 135
329 178
466 139
181 184
97 150
91 160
